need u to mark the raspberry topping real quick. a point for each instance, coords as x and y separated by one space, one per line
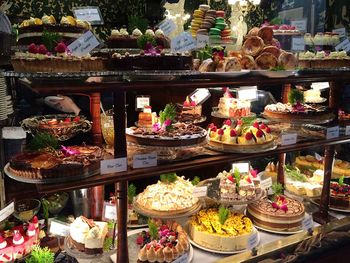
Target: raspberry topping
233 133
228 122
221 132
248 136
268 130
61 47
259 134
256 125
42 50
262 126
32 48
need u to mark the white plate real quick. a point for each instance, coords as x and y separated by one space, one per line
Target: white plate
274 74
233 74
278 232
223 252
321 100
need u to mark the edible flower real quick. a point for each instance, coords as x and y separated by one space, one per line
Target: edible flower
280 203
151 50
156 127
253 172
69 151
166 125
298 107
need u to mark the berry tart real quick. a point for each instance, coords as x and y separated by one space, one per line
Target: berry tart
340 194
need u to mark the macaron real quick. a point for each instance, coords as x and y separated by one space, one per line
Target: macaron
205 25
210 19
214 31
226 32
198 13
220 13
220 20
202 32
211 12
204 8
221 26
215 38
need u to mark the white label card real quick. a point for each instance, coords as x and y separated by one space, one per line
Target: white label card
202 41
242 167
332 132
89 14
344 45
84 44
320 85
144 160
59 228
298 44
200 96
167 26
307 223
267 183
300 25
114 165
248 93
253 241
7 211
289 138
141 102
318 157
182 259
110 211
347 130
340 31
183 42
200 191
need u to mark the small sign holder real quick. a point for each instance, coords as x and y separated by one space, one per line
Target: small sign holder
91 14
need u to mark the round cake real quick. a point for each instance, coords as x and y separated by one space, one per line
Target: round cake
286 215
208 229
340 195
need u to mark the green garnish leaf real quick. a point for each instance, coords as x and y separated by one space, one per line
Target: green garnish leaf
295 174
108 244
341 180
169 113
131 193
143 40
50 39
277 189
278 68
168 178
45 204
237 176
41 255
153 230
195 180
295 96
43 140
223 214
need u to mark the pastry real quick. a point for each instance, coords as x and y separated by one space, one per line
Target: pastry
266 61
248 62
266 33
273 50
228 65
287 60
252 46
340 195
146 118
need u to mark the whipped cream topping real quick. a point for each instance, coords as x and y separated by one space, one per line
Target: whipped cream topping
124 32
78 230
159 33
18 239
115 33
149 32
137 32
3 244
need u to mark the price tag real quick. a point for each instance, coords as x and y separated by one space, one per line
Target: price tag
248 93
114 165
109 211
344 45
84 44
289 138
200 96
347 130
340 31
142 101
318 157
242 167
300 25
253 241
307 223
59 228
7 211
202 41
167 26
91 14
144 160
332 132
200 191
267 183
183 42
298 44
320 85
182 259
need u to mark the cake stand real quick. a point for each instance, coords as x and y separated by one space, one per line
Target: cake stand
274 74
215 113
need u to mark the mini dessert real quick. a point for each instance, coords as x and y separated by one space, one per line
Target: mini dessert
162 243
313 96
189 111
170 193
271 171
321 60
230 107
221 229
340 194
88 236
146 118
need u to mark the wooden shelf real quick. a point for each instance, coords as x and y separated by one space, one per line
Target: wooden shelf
181 166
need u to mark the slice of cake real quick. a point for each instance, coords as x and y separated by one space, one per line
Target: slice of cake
147 118
6 250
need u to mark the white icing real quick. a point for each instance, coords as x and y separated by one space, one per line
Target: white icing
3 244
149 32
18 242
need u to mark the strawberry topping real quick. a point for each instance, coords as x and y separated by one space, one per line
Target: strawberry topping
233 133
262 126
32 48
268 130
248 136
228 122
256 125
61 47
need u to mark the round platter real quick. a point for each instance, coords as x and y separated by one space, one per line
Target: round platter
274 74
333 208
85 174
224 252
153 140
233 74
278 232
321 119
167 214
234 148
215 113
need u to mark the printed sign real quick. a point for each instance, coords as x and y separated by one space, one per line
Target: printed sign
340 31
84 44
7 211
332 132
253 241
267 183
344 45
347 131
183 42
59 228
300 25
142 101
289 138
202 41
298 44
114 165
110 211
242 167
91 14
318 157
144 160
167 26
248 93
307 223
200 191
200 96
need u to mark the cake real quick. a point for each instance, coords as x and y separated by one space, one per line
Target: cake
146 118
69 162
230 107
189 111
87 235
284 214
340 194
271 171
313 96
168 195
225 231
321 60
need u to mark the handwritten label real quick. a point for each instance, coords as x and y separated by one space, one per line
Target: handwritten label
84 44
242 167
182 259
267 183
114 165
332 132
300 25
167 26
248 93
59 228
307 223
200 191
142 101
90 14
289 138
202 40
340 31
298 44
183 42
110 211
344 45
347 130
253 241
144 160
200 96
7 211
